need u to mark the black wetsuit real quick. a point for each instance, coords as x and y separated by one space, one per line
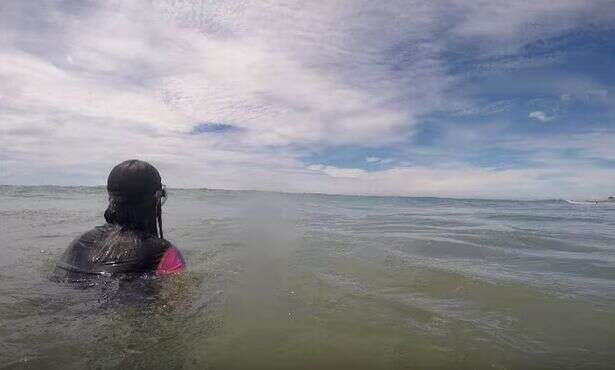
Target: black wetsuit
110 250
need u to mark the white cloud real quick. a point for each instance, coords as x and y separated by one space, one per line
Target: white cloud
102 82
336 171
540 116
86 85
174 65
380 161
586 93
511 23
562 181
587 145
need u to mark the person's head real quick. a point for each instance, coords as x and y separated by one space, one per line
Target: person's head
136 194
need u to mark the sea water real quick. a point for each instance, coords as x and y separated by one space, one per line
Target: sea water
303 281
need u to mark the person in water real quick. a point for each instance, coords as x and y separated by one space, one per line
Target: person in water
131 242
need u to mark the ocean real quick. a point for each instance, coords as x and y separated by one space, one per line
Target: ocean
306 281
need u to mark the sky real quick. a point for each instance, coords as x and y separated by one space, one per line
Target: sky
474 99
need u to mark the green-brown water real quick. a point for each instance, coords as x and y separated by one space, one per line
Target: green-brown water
281 281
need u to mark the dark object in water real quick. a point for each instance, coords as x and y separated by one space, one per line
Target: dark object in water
132 240
110 250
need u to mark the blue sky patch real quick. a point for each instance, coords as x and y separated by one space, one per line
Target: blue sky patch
213 128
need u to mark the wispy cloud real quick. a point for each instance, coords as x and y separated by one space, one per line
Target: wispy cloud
540 116
233 94
336 171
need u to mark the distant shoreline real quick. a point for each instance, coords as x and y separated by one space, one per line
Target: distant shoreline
102 187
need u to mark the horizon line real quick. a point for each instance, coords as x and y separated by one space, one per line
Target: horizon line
307 193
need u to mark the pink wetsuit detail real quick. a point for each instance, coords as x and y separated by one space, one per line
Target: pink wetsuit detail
170 262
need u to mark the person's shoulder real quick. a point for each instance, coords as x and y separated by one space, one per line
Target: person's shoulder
169 247
76 257
154 247
167 243
174 249
91 235
171 261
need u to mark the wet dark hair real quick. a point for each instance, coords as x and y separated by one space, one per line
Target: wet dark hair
133 216
135 189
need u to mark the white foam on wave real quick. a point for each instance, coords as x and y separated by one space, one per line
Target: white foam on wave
579 202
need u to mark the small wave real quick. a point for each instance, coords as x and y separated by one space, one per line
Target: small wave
579 202
591 202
